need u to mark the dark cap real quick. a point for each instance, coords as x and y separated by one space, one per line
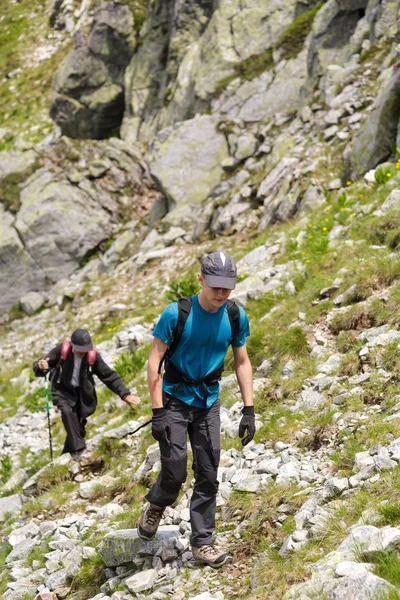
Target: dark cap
81 340
219 270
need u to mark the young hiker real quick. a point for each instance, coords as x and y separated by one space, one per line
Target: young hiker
74 363
186 400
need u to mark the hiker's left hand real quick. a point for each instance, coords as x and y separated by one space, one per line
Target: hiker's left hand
247 424
132 400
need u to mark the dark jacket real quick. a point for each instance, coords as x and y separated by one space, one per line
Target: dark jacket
65 389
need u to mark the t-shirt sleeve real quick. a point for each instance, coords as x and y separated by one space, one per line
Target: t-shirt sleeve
244 330
167 323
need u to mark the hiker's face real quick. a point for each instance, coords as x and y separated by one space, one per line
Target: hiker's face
79 354
215 296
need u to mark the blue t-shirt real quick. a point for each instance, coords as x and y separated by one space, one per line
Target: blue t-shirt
202 348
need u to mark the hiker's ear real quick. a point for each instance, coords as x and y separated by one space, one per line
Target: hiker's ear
200 277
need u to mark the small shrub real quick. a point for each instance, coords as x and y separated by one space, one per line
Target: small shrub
36 401
383 174
183 287
130 364
5 468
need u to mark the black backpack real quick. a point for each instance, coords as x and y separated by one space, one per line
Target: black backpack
171 373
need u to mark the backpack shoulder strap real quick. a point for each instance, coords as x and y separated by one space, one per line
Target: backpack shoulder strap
234 318
184 308
92 357
65 350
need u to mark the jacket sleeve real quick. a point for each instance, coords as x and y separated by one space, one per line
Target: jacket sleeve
110 378
53 357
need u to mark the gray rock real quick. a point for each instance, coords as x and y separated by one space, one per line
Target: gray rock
31 302
21 550
141 581
330 366
87 99
123 546
10 504
194 147
392 202
372 143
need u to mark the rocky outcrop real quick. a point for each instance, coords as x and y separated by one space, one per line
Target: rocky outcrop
64 213
88 95
186 160
376 138
178 69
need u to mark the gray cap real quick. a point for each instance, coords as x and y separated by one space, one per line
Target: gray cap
219 270
81 340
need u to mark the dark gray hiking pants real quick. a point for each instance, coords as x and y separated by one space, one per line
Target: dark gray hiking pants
203 427
74 426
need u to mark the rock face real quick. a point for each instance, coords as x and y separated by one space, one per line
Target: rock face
180 66
88 96
374 141
333 28
62 214
186 160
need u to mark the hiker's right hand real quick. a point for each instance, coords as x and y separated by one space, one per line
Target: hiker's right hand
44 364
160 428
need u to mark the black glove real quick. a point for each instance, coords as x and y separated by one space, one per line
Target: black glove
160 429
247 423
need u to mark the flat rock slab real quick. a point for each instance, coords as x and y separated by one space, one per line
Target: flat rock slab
123 546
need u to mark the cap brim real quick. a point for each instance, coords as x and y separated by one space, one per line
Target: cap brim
82 348
228 283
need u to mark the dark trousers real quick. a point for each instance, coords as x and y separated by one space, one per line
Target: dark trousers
74 425
203 427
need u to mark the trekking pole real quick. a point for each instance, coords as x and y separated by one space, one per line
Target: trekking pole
46 387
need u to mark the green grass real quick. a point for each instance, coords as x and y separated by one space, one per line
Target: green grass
53 476
89 578
292 40
5 468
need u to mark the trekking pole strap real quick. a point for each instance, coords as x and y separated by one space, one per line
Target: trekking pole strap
140 427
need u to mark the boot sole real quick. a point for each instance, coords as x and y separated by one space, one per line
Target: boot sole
144 536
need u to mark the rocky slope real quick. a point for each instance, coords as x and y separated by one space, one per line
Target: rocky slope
254 127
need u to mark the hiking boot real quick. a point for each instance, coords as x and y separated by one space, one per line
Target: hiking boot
210 555
149 521
78 454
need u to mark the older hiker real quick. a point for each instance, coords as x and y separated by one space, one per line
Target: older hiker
186 400
73 385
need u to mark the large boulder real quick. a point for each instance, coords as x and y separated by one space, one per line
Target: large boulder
375 139
88 94
185 160
47 206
